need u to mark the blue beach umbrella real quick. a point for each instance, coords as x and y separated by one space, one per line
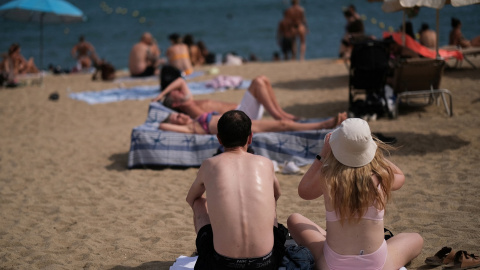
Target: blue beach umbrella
41 11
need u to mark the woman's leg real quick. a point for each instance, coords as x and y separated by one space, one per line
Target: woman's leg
308 234
288 125
402 248
262 90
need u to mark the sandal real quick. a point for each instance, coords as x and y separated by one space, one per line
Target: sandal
463 260
444 256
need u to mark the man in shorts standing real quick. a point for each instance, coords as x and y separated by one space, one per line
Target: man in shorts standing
238 228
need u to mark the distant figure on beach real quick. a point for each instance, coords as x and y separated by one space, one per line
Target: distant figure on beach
356 181
408 29
257 98
207 55
236 224
85 54
196 56
353 11
14 64
354 30
144 59
457 38
296 14
428 37
286 34
178 54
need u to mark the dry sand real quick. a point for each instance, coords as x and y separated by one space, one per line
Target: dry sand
68 201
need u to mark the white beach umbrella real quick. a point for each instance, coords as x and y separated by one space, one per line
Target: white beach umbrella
401 5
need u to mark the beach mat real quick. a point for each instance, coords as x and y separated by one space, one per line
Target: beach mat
143 92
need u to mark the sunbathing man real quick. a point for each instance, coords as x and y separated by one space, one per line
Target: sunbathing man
144 57
260 95
238 228
207 124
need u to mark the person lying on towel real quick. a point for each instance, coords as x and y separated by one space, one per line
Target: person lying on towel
207 124
259 97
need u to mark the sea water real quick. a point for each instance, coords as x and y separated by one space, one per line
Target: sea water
244 27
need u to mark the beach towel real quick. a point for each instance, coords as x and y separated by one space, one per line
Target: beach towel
151 147
422 50
143 92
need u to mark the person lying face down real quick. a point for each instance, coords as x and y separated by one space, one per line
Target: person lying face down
207 124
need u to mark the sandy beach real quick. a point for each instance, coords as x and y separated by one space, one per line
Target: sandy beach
68 201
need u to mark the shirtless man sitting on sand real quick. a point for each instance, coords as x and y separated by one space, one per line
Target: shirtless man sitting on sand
259 96
238 228
144 57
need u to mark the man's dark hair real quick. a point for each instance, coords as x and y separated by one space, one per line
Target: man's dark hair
455 22
234 127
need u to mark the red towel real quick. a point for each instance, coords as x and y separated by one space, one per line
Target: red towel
422 50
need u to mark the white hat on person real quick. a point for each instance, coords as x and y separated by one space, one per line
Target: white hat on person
352 143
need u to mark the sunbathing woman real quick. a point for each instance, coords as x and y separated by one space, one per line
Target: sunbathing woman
356 181
207 124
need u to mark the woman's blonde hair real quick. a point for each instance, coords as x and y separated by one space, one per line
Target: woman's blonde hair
352 190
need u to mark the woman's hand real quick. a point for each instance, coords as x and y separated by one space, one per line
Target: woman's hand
326 149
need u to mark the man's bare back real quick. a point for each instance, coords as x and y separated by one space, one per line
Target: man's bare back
241 202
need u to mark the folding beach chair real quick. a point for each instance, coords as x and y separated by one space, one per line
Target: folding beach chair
367 76
417 81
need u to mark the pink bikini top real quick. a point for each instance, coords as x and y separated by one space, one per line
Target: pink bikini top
372 214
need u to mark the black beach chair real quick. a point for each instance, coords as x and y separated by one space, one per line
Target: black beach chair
367 77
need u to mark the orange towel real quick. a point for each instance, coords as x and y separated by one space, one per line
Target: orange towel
422 50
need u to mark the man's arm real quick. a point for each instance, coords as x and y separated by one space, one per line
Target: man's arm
276 188
198 187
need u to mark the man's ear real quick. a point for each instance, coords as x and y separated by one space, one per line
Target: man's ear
250 138
220 141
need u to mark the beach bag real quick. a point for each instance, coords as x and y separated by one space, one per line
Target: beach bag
106 70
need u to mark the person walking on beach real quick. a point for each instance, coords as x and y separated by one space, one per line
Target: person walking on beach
258 97
296 14
144 58
178 54
84 52
356 182
286 37
236 223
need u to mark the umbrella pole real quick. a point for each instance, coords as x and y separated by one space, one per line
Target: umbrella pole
403 29
41 40
438 34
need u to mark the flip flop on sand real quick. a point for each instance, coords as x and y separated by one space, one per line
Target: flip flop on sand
463 260
442 257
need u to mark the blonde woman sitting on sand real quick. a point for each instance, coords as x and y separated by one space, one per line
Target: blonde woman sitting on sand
207 124
356 182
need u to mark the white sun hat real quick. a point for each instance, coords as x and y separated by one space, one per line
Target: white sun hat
352 143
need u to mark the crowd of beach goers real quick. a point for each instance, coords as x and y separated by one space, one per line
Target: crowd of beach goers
69 201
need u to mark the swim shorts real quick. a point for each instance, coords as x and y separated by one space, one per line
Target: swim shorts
149 71
209 259
251 107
